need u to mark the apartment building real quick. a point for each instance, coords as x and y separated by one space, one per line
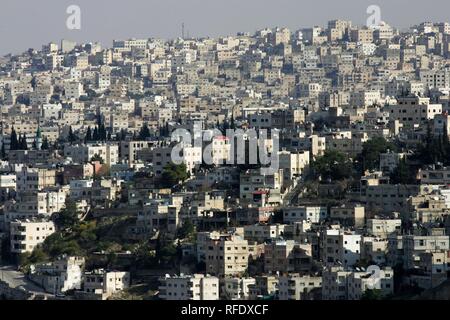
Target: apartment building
260 190
293 164
341 247
304 213
263 232
374 249
383 227
100 284
59 276
35 179
341 284
227 256
414 245
436 78
109 153
27 235
190 156
287 256
298 287
237 288
436 175
359 282
413 111
189 287
348 215
388 198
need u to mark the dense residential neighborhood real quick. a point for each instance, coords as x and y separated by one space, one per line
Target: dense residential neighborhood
282 165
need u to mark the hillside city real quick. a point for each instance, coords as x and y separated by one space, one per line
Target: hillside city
281 165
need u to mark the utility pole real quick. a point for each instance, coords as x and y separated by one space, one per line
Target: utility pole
182 30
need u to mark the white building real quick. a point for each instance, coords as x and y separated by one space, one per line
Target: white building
73 90
237 288
297 287
26 235
262 232
341 284
304 213
341 247
59 276
383 227
84 153
101 284
413 111
193 287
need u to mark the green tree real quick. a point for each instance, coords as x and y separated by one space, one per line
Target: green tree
68 216
102 134
3 152
433 150
88 136
23 143
56 245
95 135
123 135
86 233
45 145
38 255
333 165
97 157
144 133
72 137
167 254
174 174
186 230
370 155
372 294
403 174
14 141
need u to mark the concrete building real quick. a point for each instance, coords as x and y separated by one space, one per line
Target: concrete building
384 227
287 256
413 111
304 213
59 276
227 256
348 215
109 153
237 288
27 235
192 287
263 232
341 247
341 284
297 287
100 284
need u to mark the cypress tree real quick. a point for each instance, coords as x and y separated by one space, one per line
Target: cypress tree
3 151
44 145
95 136
145 132
72 137
88 135
14 142
23 143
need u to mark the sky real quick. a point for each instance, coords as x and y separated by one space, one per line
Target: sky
30 23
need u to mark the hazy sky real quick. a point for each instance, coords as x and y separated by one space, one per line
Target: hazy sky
30 23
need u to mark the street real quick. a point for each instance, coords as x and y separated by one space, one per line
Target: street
17 279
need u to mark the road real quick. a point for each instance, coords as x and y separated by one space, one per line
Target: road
17 279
